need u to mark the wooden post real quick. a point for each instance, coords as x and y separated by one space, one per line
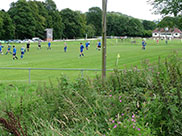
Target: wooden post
104 12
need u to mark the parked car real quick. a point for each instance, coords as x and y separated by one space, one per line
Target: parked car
18 41
36 39
1 41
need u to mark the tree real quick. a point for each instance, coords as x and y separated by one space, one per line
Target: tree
40 20
149 25
57 24
135 27
117 24
33 17
178 21
23 18
74 23
90 30
94 17
8 29
147 33
167 22
50 5
1 25
53 18
167 7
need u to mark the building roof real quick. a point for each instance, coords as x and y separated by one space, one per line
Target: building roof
176 30
171 30
156 30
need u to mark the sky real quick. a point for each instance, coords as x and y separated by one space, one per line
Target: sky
135 8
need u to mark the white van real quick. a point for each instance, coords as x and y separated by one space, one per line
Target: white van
36 39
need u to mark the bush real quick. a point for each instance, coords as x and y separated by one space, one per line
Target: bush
133 102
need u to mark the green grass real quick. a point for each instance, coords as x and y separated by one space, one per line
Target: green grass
85 107
130 55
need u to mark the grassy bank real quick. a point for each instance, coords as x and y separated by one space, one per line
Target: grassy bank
146 102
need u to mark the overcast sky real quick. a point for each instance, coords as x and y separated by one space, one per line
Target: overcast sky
136 8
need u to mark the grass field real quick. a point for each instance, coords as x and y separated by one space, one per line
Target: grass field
130 55
130 103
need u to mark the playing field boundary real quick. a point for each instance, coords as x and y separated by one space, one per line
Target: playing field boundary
59 69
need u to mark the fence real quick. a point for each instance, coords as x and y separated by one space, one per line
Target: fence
60 69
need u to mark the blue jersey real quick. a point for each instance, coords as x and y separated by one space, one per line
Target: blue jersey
14 50
99 44
9 47
143 43
87 44
0 48
81 48
22 49
49 44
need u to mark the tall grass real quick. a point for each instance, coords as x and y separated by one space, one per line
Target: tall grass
135 102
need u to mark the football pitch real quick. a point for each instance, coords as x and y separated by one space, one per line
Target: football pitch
131 54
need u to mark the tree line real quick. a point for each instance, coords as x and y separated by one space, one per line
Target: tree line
171 10
27 19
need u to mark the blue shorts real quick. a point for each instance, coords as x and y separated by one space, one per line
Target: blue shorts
22 53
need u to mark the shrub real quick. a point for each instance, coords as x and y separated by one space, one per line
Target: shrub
133 102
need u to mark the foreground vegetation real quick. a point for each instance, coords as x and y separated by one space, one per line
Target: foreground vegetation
133 102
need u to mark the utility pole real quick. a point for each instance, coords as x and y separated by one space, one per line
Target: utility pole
104 12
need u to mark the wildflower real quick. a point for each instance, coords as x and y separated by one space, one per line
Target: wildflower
120 101
138 129
133 126
119 122
115 126
113 121
133 116
122 114
119 97
110 95
132 120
